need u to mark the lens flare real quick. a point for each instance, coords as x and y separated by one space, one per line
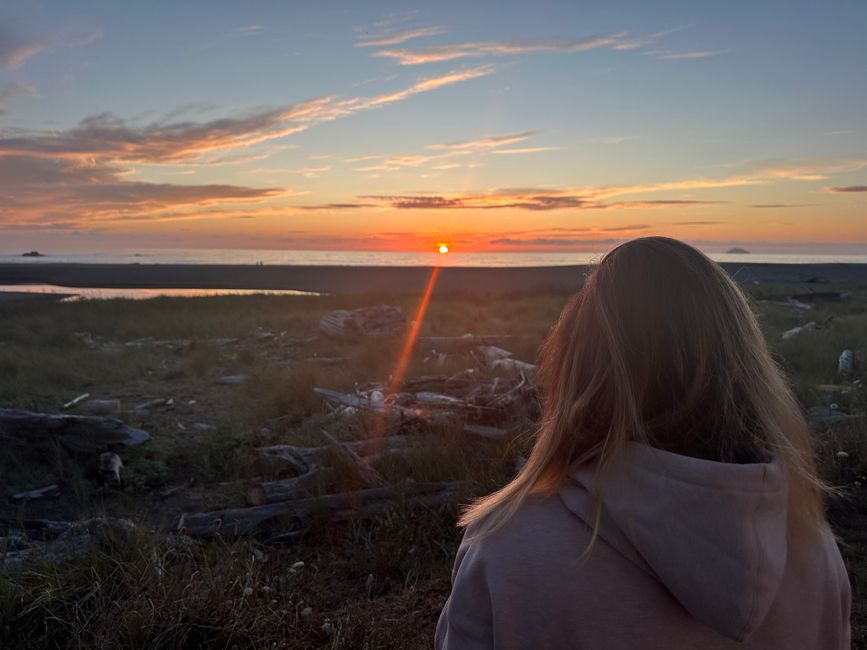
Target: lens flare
443 249
380 423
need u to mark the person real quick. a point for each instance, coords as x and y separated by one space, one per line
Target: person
670 499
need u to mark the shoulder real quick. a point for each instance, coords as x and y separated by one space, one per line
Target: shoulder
540 530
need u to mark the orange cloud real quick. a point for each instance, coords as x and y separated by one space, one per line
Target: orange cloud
451 52
402 37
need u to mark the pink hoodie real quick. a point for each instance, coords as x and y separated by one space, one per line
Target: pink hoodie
691 554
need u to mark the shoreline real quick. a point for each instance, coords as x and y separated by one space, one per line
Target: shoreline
373 279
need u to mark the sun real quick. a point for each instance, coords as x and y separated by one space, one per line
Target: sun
443 249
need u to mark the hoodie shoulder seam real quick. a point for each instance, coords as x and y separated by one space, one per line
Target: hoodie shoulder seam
755 596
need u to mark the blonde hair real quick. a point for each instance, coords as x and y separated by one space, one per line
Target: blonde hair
660 346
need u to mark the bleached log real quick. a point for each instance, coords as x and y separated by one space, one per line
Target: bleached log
75 401
75 540
437 399
79 433
484 431
230 380
375 322
99 406
801 328
488 354
465 342
369 450
29 495
284 489
370 474
260 519
513 365
175 345
160 402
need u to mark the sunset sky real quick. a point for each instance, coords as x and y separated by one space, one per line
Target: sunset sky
491 126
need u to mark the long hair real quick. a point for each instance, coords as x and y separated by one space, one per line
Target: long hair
660 346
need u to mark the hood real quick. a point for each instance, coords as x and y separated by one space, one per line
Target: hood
713 533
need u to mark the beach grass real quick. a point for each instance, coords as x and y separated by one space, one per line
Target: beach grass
365 583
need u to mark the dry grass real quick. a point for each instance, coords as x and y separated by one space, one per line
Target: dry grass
368 583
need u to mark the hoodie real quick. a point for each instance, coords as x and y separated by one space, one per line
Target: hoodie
690 553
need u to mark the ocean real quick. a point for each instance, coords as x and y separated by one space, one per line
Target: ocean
382 258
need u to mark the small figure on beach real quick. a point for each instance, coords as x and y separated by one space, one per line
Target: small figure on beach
671 498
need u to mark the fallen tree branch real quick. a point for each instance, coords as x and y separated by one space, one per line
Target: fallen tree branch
254 520
48 491
79 433
284 489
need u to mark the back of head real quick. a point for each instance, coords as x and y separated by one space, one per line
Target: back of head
660 346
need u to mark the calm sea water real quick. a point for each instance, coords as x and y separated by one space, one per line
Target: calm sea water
380 258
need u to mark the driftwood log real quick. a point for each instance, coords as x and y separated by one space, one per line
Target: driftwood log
290 516
78 433
376 322
60 541
369 450
287 488
460 343
29 495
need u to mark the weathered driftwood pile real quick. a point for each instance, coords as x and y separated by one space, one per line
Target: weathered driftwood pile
56 541
76 433
497 390
484 399
377 322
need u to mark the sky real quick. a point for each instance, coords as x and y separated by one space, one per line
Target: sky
489 126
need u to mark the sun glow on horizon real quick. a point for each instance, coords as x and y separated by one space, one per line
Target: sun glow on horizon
443 249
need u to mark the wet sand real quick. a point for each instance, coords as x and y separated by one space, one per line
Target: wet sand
347 279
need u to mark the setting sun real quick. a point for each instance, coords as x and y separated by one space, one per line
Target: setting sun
443 249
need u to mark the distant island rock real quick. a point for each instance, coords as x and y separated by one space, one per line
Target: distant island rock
32 254
737 251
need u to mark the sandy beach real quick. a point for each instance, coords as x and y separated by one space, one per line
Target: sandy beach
346 279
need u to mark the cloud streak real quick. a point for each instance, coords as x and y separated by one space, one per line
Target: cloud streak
16 48
673 55
12 90
109 137
490 142
451 52
44 190
534 200
599 198
402 37
80 175
847 189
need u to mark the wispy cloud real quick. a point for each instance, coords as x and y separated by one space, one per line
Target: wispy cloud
633 43
612 139
81 175
523 150
401 37
697 223
847 189
426 85
672 55
535 200
774 206
16 47
599 197
489 142
312 172
451 52
250 30
325 207
13 90
44 190
109 137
